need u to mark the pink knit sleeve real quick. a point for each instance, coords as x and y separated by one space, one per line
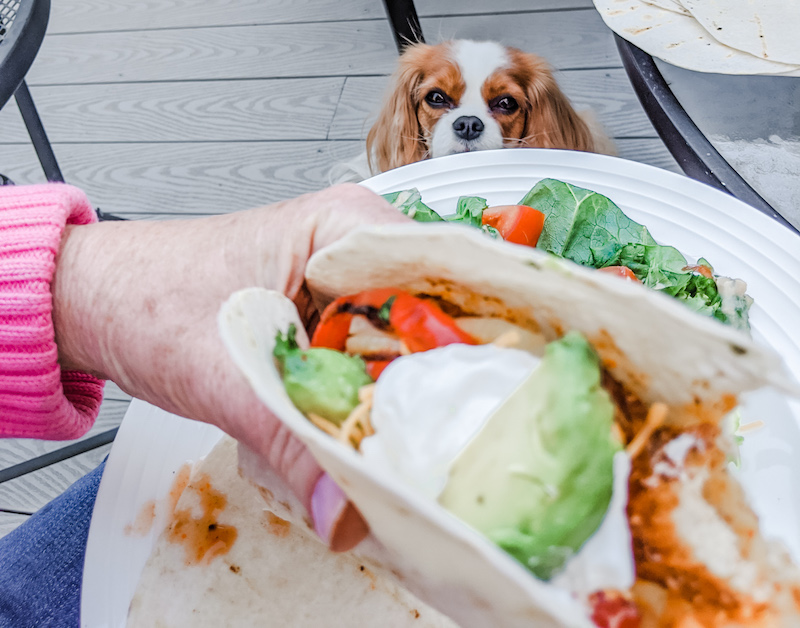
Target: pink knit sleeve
37 398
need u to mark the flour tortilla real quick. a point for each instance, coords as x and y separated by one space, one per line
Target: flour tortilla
763 28
277 572
661 349
668 5
656 346
681 40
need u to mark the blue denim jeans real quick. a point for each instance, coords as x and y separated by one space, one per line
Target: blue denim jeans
41 562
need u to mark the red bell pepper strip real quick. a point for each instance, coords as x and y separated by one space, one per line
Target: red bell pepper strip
420 324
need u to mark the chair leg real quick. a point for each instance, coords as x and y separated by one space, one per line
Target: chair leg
38 136
405 23
40 142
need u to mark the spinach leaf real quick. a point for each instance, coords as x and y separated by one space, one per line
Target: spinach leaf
656 266
581 225
664 268
469 211
410 203
491 232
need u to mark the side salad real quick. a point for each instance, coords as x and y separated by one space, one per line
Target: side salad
589 229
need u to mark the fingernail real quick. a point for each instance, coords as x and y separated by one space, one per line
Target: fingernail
336 520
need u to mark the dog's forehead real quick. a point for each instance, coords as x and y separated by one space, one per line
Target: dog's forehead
478 60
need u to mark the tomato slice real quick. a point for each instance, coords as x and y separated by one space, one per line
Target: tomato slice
620 271
519 224
700 268
422 325
613 610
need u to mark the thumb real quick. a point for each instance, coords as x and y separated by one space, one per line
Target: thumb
282 462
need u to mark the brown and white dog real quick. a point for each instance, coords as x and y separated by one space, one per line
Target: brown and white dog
461 96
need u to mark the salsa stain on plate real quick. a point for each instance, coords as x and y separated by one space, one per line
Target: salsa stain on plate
202 535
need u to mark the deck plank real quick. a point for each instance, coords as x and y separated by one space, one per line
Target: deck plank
113 392
232 52
32 491
201 111
177 178
198 178
101 15
10 521
567 39
571 39
16 450
647 151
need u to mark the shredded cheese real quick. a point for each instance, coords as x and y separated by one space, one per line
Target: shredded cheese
749 427
324 424
656 416
357 426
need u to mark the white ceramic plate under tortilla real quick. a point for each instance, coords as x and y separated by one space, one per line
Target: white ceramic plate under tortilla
700 221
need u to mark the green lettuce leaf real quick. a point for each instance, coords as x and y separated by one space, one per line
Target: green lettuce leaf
581 225
410 203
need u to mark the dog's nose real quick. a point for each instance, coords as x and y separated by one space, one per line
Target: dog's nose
468 127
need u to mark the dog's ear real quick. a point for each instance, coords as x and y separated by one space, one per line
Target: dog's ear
396 138
551 120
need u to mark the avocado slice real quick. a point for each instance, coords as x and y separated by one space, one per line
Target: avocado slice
538 478
319 381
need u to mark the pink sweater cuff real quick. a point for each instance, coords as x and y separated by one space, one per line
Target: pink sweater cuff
37 398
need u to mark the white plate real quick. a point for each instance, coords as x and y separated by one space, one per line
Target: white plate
150 447
700 221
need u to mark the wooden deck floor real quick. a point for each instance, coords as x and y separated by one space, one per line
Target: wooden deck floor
175 108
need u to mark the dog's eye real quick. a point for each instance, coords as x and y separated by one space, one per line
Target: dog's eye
504 104
437 99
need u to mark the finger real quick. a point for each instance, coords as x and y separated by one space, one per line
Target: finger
336 520
350 206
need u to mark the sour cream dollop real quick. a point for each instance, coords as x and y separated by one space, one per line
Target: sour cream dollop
427 406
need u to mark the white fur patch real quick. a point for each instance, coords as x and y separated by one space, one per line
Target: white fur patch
477 62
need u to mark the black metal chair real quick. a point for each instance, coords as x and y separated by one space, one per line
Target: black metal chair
22 27
404 21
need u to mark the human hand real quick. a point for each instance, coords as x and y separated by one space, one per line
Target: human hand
136 303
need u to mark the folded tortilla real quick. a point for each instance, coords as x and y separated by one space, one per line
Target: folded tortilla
766 29
653 346
680 39
275 571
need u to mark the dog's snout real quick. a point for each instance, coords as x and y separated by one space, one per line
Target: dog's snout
468 127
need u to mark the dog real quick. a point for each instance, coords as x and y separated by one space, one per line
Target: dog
460 96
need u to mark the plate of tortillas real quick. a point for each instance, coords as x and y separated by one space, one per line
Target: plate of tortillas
722 36
180 538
